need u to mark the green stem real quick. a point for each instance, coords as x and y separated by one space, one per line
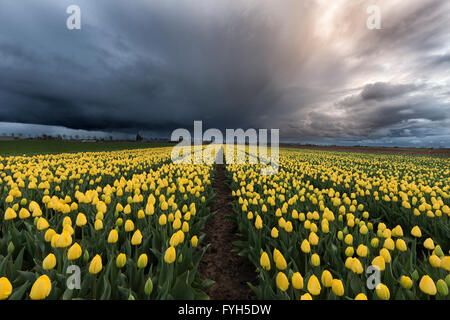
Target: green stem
95 288
306 263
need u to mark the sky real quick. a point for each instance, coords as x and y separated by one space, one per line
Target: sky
310 68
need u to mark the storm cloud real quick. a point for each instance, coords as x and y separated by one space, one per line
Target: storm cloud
311 68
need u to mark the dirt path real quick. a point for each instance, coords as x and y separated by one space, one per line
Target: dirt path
230 271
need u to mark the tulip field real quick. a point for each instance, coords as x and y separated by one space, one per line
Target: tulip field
130 220
129 225
314 229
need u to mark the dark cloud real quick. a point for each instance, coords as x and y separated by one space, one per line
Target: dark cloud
441 60
381 91
310 68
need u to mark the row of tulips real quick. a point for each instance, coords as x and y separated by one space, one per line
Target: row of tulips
104 225
315 229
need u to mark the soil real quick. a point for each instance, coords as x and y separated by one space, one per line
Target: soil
230 271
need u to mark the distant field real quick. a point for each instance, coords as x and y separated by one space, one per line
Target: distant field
19 147
420 151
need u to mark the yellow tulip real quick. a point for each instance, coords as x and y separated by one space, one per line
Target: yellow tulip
314 286
400 244
113 236
297 281
374 242
326 278
74 252
176 224
429 244
382 292
64 240
42 224
180 235
362 251
361 296
305 246
137 238
98 225
348 239
264 261
349 251
386 255
349 263
397 231
5 288
306 296
356 266
313 239
49 235
54 240
9 199
379 262
162 220
337 287
288 227
274 233
66 221
24 213
142 261
121 260
258 222
435 261
315 260
194 241
164 206
49 262
406 282
280 262
389 244
174 239
41 288
415 231
363 230
10 214
445 263
96 265
170 255
81 220
282 281
129 225
68 229
427 285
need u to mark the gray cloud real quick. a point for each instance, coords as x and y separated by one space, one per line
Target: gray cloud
441 60
381 91
310 68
